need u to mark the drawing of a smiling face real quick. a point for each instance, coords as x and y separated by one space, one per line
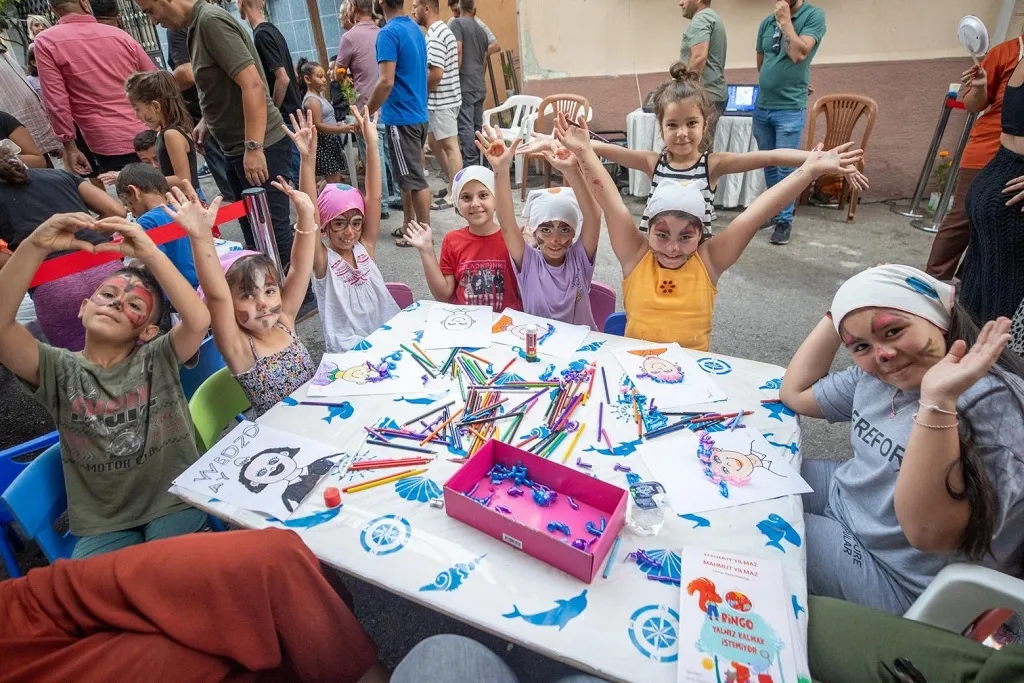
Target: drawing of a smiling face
730 465
656 366
457 322
357 374
268 467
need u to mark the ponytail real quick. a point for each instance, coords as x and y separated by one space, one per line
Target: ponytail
12 170
686 85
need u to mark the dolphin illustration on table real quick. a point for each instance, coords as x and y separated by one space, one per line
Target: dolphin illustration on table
797 607
776 530
698 521
344 411
416 401
309 521
622 449
566 611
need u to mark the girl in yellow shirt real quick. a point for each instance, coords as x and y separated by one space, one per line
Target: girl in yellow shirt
669 274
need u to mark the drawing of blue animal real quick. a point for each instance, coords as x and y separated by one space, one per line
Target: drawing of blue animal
776 530
773 384
415 401
797 607
698 521
591 347
621 449
344 411
417 336
778 411
566 611
451 579
310 521
791 447
548 374
289 401
364 345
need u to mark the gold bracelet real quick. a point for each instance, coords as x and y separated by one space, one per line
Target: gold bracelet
928 426
304 232
937 409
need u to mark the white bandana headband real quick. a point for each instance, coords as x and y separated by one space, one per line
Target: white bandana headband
470 173
894 286
675 195
552 204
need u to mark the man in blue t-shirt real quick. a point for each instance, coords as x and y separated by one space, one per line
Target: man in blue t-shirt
401 96
787 41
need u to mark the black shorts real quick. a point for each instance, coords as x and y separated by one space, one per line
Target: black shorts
405 146
114 162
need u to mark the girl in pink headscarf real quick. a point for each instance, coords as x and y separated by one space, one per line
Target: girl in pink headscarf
350 291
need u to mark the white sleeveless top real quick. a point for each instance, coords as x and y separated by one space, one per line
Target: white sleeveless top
353 302
698 173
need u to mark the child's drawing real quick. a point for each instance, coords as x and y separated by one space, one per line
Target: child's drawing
448 326
554 338
274 465
361 373
505 324
668 375
657 368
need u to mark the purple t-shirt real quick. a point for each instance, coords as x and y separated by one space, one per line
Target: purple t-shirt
358 54
557 292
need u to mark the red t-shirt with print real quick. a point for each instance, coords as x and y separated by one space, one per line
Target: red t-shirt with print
482 270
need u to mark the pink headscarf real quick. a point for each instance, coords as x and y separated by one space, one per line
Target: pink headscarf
336 199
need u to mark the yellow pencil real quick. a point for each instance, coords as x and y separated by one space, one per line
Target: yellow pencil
424 354
583 428
383 480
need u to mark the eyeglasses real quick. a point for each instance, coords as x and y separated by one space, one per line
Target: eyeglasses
777 40
339 224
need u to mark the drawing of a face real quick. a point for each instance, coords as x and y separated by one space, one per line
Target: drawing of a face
357 374
661 370
458 321
732 466
268 467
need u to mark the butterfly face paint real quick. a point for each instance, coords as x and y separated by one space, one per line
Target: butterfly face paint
128 296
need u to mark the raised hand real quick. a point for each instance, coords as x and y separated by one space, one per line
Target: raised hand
58 233
491 144
366 125
562 159
783 12
129 238
300 200
304 136
844 160
419 235
1016 188
575 136
539 143
962 368
975 77
188 212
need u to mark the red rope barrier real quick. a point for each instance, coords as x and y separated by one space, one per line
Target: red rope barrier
54 269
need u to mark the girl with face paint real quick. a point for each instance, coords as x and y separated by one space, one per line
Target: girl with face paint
936 413
253 311
670 275
554 275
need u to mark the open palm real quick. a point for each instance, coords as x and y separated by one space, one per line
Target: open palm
491 144
304 135
573 136
844 160
962 368
188 212
419 235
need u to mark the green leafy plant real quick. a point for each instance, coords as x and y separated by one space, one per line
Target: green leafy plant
942 169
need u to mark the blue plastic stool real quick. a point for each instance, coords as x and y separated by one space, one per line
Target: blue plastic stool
615 324
209 362
37 498
9 471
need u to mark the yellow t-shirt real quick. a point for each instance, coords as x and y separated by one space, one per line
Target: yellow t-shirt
665 305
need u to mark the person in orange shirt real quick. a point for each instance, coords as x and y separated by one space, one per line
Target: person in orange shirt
982 92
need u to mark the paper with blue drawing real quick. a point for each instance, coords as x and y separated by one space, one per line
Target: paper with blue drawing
449 326
669 375
364 373
260 468
554 338
735 620
748 465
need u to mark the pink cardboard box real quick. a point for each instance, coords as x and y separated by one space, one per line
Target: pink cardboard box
525 527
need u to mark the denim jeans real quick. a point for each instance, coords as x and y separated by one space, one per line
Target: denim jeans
779 130
471 116
296 162
279 162
218 165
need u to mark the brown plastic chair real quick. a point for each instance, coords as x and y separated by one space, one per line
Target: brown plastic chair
842 114
574 107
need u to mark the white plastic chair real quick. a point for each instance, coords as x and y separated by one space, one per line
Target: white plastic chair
963 596
524 106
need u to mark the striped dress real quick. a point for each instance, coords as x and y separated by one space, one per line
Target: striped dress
698 173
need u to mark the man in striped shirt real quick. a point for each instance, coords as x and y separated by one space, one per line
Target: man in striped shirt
444 94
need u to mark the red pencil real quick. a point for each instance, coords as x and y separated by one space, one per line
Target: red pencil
502 372
381 464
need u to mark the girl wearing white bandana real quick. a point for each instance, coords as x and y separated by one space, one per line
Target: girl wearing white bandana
937 425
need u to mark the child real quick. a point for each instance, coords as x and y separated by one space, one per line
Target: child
143 190
330 159
145 149
350 291
253 314
554 275
33 70
669 275
474 268
158 104
936 410
125 429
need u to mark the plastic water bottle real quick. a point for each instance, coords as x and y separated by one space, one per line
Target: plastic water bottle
645 513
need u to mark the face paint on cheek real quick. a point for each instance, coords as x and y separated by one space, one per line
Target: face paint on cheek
931 350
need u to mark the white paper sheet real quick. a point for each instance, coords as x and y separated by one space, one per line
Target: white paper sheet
261 468
668 375
449 326
554 338
351 374
740 459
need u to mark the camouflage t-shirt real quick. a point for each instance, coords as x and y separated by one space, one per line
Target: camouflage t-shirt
125 434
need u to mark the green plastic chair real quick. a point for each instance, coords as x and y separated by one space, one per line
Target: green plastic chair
217 402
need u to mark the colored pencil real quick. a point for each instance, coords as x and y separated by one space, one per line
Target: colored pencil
768 401
600 420
423 364
448 363
553 446
389 444
477 434
443 425
590 386
483 411
579 432
683 424
502 372
356 488
375 433
577 400
607 439
604 380
386 464
412 353
424 354
636 416
428 413
412 436
484 420
536 395
467 353
526 440
611 557
511 433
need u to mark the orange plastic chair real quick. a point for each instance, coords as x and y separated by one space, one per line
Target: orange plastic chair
574 107
843 113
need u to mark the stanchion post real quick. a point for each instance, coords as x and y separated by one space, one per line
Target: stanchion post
932 224
914 210
258 213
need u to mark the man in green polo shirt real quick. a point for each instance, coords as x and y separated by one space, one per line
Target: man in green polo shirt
703 48
787 41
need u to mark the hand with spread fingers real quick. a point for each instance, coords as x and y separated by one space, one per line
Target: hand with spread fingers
573 136
188 211
492 145
129 238
961 368
300 200
366 124
58 233
419 236
304 136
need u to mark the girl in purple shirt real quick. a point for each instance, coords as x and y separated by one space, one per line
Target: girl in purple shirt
555 275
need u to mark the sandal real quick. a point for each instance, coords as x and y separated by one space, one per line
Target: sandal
398 233
402 243
440 194
441 205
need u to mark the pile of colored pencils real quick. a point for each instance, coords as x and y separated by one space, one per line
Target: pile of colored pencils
421 357
698 421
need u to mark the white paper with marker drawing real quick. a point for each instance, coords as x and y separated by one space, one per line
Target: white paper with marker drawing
668 375
365 373
449 326
742 460
554 338
261 468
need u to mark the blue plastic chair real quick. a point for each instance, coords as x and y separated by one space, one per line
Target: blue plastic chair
209 362
615 324
37 498
9 471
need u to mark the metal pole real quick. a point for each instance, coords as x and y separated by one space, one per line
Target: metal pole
913 211
258 213
932 224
